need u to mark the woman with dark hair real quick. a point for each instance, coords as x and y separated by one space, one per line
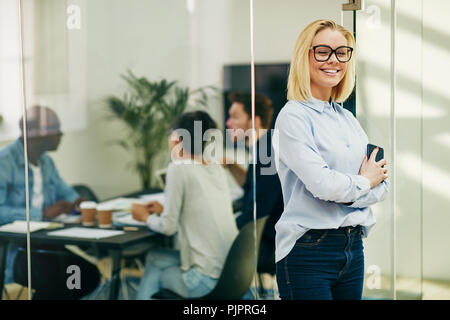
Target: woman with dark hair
198 207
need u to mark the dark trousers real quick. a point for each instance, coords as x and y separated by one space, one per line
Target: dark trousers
50 274
325 264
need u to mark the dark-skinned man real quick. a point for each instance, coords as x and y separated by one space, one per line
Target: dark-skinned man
49 196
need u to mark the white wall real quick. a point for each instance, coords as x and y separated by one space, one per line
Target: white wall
10 74
148 37
436 139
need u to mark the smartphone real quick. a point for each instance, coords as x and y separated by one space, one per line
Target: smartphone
380 154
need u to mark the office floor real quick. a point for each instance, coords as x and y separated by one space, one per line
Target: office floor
407 288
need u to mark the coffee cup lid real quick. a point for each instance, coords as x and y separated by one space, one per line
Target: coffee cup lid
88 205
103 207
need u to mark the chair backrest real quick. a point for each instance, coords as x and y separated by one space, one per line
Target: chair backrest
239 268
266 257
85 192
49 273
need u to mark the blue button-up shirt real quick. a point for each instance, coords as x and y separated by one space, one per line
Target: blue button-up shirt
12 190
319 148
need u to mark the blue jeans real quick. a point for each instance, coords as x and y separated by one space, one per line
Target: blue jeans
325 264
162 270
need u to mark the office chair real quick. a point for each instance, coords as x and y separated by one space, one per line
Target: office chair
266 262
85 192
238 270
58 260
133 254
266 257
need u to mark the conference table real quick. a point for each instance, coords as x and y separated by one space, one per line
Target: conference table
113 246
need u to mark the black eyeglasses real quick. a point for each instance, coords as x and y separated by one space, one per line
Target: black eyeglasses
322 53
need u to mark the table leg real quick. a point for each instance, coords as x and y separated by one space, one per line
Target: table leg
3 249
115 276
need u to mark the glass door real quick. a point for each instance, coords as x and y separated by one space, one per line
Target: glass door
115 76
403 103
375 90
371 101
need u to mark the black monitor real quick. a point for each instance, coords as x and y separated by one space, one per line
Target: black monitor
270 80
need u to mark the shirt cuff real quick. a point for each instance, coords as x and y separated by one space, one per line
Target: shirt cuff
153 222
363 185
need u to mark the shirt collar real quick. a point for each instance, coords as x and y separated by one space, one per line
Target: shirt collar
19 153
317 104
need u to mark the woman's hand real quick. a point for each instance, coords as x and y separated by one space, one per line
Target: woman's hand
154 207
373 170
139 212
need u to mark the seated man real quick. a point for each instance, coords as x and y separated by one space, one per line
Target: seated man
269 198
49 195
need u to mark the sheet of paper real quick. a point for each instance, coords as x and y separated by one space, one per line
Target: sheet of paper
127 219
68 218
122 203
86 233
154 197
20 226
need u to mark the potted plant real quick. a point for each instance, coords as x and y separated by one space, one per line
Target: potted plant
148 108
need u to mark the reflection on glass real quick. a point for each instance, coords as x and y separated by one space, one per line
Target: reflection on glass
79 56
373 99
125 82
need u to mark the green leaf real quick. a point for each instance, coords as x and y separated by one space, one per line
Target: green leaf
148 108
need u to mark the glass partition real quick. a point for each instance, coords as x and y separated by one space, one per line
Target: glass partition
370 102
13 191
416 120
119 97
374 111
124 98
432 157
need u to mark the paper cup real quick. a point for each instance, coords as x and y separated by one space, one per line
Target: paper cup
88 213
104 214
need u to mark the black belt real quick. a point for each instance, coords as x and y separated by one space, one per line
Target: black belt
348 229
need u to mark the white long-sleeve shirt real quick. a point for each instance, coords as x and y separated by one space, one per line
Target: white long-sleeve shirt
199 208
319 148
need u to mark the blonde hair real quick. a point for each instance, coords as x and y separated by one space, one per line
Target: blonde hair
299 85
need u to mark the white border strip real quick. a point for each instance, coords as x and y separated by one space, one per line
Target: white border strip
393 148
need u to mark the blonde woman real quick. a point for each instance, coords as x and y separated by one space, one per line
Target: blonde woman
327 180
